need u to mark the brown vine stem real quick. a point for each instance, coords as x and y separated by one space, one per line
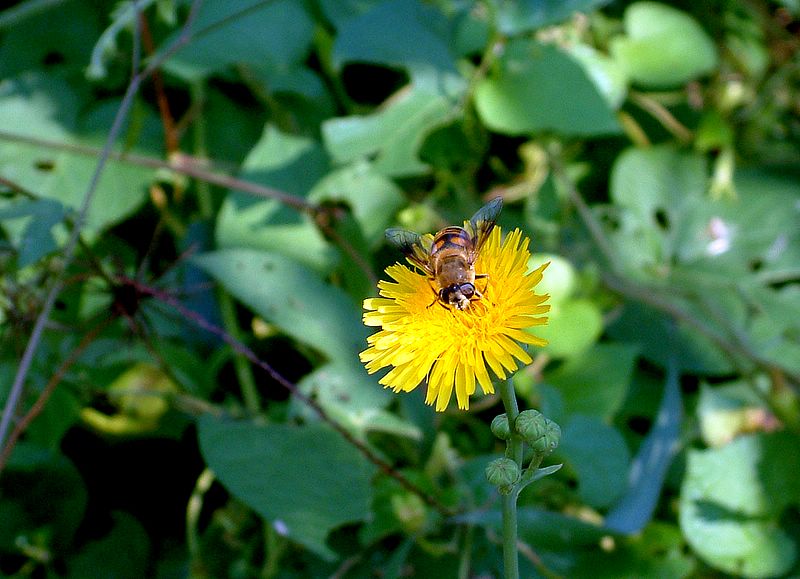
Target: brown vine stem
192 167
735 350
47 391
138 78
181 163
292 388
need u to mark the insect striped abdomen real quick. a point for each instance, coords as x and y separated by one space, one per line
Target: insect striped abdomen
451 238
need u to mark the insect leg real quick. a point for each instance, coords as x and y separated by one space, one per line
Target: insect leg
435 293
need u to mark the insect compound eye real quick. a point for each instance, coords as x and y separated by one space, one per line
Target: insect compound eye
446 293
467 290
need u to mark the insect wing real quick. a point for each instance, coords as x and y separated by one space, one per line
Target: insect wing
416 247
483 222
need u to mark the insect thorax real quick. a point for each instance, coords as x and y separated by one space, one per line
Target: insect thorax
453 268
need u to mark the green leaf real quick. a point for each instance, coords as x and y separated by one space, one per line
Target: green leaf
536 87
669 220
268 36
340 11
50 491
768 228
61 413
378 420
236 130
516 16
412 36
732 500
653 331
598 454
560 279
595 383
373 198
44 107
606 74
124 552
290 164
573 326
775 329
391 137
664 46
62 33
344 388
692 247
657 187
305 480
312 312
41 216
292 297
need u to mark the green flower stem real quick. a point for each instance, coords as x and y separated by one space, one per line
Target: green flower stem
510 558
509 396
514 452
244 372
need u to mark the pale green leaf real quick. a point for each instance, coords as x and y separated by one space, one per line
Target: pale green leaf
537 87
732 499
664 46
391 137
289 164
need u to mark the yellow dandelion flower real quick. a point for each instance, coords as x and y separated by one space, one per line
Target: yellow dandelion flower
450 348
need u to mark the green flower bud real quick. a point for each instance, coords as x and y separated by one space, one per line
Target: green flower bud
503 473
548 442
542 434
500 427
530 424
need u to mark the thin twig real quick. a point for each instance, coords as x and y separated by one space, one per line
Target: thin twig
69 249
48 390
357 258
736 351
167 120
588 218
14 186
181 163
192 167
292 388
660 113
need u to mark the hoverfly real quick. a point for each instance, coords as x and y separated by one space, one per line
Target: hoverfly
449 256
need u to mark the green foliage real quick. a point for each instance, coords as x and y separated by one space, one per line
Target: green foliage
192 400
663 46
733 498
305 499
540 88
